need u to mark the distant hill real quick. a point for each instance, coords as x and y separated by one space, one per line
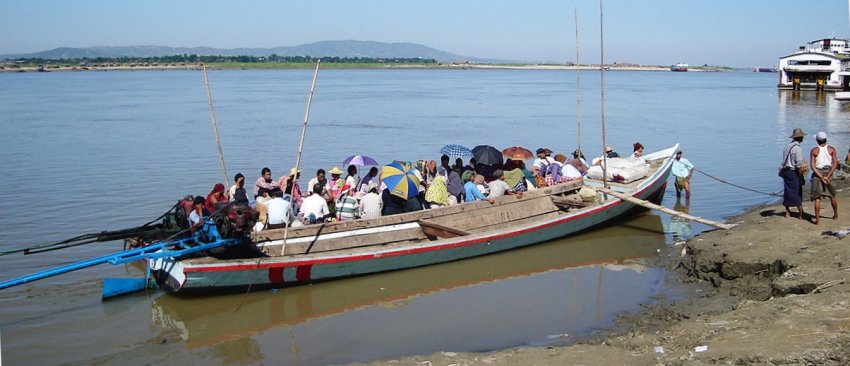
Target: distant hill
348 48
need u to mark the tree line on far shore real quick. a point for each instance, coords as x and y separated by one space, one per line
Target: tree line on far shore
192 59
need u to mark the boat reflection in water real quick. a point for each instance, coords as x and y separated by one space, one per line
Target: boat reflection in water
542 294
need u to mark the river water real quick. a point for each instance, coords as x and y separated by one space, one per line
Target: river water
91 151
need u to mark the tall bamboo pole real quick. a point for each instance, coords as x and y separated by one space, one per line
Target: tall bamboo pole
215 125
300 150
602 95
578 81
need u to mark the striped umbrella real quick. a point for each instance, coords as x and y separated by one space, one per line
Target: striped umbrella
456 151
360 160
400 180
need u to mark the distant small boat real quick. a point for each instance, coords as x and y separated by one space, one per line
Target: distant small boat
679 67
765 69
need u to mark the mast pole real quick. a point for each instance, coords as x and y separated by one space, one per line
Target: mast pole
298 158
578 81
214 125
602 95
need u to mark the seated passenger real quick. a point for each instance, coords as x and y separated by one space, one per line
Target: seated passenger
216 198
237 192
471 189
609 153
278 208
638 150
347 205
319 180
314 208
371 204
514 175
579 162
437 195
369 178
264 183
454 184
198 213
396 205
498 187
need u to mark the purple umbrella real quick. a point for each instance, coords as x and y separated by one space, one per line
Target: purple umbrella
360 160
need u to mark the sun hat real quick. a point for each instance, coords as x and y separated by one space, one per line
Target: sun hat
293 171
821 136
336 170
609 149
540 151
798 132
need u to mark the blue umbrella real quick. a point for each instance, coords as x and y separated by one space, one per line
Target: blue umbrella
400 180
361 160
456 151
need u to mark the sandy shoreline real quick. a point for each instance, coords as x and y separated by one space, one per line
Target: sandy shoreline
771 290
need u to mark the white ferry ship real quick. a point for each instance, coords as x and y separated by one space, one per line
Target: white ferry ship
823 64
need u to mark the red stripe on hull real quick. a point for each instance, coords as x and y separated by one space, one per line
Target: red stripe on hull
302 273
276 275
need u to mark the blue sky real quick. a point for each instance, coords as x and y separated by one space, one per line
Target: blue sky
741 33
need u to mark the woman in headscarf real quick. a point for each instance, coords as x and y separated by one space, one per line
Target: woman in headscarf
216 198
455 187
514 176
437 194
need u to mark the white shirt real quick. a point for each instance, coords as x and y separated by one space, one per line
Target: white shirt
824 159
314 204
194 218
371 206
570 171
278 211
310 184
498 188
539 162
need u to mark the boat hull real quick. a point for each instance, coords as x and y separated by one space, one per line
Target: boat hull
280 271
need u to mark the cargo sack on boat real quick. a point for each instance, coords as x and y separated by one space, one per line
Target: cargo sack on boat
588 194
621 170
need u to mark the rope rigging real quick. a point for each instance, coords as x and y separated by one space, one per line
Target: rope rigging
737 186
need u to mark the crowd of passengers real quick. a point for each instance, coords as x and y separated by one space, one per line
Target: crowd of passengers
281 202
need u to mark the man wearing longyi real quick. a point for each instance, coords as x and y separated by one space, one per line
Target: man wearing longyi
824 162
791 171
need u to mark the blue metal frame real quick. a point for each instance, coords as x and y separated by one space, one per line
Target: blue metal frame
207 238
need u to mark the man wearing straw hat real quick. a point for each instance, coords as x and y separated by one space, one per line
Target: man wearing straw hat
791 171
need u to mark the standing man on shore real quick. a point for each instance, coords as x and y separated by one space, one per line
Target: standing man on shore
682 170
824 161
791 171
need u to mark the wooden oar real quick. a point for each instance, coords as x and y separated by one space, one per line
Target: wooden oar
666 210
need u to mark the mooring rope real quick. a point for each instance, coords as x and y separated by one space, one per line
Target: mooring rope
776 194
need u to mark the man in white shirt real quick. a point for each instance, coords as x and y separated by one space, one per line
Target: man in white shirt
542 162
314 207
278 209
371 204
498 187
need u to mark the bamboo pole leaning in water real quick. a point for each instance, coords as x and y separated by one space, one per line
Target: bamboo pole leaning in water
652 206
215 125
298 158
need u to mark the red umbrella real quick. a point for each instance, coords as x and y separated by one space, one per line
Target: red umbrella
517 153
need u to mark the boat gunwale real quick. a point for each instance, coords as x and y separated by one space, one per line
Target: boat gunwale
371 252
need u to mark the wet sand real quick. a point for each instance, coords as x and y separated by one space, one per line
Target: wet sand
772 290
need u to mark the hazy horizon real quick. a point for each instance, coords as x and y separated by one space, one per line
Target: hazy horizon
723 32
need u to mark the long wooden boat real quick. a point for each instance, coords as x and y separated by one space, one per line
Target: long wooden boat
217 323
352 248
